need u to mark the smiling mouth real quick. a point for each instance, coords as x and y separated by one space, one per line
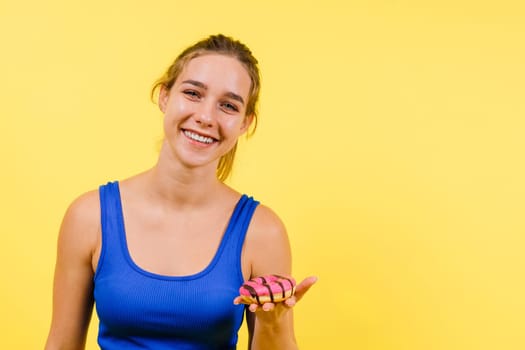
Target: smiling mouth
199 138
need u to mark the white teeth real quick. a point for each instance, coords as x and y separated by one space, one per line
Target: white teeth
198 137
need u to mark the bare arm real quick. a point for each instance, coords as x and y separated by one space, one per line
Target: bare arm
73 281
268 250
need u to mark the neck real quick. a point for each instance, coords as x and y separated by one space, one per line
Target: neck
181 186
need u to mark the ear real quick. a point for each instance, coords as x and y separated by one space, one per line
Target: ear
246 123
164 95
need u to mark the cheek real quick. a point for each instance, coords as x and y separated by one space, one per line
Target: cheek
172 118
176 110
183 108
233 124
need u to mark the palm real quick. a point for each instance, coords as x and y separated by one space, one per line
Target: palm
300 291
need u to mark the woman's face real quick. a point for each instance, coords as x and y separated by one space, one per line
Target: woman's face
204 111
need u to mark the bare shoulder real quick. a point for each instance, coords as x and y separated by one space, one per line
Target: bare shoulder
84 210
267 246
266 224
81 224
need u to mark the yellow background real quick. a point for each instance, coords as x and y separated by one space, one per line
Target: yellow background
391 142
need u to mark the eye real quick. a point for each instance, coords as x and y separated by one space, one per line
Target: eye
230 107
192 94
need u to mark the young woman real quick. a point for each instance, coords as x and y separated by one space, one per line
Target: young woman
162 254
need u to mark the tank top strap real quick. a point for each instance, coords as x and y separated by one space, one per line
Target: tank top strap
236 233
112 224
243 219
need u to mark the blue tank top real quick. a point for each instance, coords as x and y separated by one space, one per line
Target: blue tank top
138 309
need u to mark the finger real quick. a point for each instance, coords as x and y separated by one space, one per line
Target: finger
304 286
240 300
290 302
253 307
268 306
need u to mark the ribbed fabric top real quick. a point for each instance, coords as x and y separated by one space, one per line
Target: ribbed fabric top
138 309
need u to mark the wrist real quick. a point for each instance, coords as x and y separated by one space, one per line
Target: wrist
273 334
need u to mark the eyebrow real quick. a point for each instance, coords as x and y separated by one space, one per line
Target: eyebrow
201 85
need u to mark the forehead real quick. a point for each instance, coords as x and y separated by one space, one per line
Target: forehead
219 72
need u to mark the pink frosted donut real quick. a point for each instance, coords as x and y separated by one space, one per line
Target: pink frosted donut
267 289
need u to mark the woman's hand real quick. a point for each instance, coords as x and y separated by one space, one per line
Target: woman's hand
262 311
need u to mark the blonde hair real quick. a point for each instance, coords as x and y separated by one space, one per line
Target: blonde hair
224 45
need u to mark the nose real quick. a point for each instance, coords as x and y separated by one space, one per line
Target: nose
205 115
